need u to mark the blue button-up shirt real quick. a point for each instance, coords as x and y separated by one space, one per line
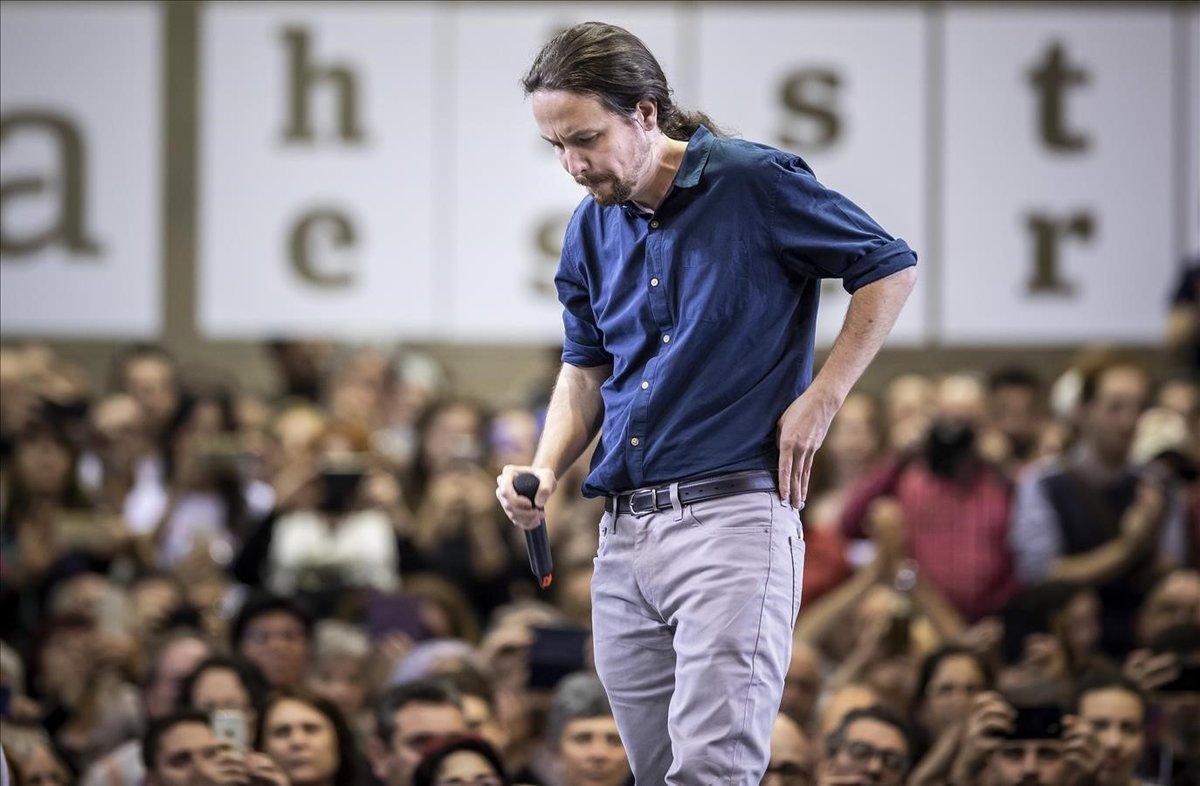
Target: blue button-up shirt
707 308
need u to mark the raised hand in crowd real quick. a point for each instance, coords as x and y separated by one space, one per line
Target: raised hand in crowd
1149 670
227 767
1081 753
991 718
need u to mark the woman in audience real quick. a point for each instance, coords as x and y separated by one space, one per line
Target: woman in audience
461 761
228 683
950 679
308 737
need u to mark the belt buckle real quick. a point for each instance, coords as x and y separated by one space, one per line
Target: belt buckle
647 494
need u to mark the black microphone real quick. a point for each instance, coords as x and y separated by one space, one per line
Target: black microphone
536 541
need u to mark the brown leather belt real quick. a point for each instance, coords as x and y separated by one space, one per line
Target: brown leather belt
651 500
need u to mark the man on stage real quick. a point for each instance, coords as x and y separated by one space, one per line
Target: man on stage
689 282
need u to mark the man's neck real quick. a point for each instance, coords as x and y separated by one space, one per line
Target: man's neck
1095 464
665 160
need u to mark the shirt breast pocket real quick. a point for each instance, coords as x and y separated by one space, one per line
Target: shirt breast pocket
712 293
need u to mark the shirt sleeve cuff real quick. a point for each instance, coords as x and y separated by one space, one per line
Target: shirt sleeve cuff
882 262
583 356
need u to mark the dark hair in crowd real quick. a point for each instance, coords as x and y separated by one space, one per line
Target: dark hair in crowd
19 498
262 604
158 729
613 65
348 756
837 738
1106 680
427 770
935 659
246 672
421 472
468 681
433 691
1014 377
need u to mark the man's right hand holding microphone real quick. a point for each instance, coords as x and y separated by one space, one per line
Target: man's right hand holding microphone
518 509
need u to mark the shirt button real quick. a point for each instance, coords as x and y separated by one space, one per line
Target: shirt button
654 282
645 385
654 224
667 339
634 441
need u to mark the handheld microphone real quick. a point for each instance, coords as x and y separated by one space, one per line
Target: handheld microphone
536 541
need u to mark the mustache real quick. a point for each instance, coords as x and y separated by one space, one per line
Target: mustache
593 181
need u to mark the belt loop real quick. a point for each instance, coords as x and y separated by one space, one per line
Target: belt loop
676 506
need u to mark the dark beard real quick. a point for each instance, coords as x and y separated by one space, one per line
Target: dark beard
621 192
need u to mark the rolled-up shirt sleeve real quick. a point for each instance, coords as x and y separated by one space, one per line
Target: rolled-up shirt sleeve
583 342
822 234
1035 536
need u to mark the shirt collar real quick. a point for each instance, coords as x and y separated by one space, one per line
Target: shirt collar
695 157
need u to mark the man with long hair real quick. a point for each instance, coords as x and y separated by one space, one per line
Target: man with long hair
689 282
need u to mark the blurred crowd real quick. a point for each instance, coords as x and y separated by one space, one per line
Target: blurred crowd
203 585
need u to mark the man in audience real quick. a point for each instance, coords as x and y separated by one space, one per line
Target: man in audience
181 749
999 749
955 505
1091 518
871 746
1174 600
791 755
1017 412
409 718
176 749
582 728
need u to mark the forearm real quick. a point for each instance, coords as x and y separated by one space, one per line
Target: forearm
873 311
1098 565
572 418
946 621
818 621
1108 561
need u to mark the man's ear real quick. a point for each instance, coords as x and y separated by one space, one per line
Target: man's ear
646 114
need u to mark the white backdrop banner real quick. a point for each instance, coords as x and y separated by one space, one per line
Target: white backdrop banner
1059 216
80 168
317 198
372 170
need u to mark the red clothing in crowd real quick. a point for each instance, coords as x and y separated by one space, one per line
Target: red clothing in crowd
957 531
825 563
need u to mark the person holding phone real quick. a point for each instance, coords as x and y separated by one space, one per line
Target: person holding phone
690 281
1005 744
231 690
333 530
181 749
456 531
